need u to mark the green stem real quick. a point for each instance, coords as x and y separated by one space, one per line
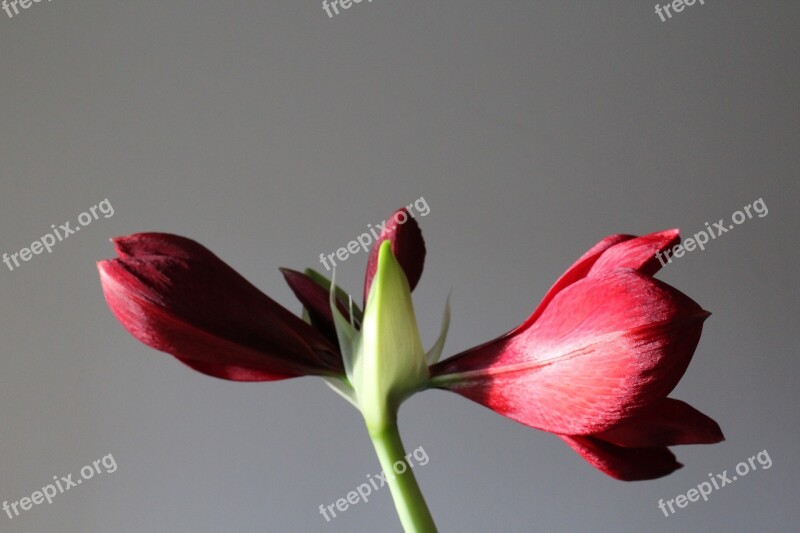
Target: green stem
408 500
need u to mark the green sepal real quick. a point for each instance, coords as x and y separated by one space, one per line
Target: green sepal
435 352
390 363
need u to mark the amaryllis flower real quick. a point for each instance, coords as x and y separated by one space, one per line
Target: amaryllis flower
596 360
176 296
593 364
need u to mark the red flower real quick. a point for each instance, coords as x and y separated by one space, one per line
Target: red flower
594 363
174 295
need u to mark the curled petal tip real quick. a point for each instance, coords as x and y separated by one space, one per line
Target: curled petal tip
624 464
668 422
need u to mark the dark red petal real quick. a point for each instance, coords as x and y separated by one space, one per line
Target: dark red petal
316 300
162 245
665 423
408 247
605 348
232 372
626 464
173 294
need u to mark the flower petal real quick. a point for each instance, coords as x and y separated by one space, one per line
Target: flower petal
316 301
174 295
603 349
639 253
665 423
614 251
625 464
577 271
408 247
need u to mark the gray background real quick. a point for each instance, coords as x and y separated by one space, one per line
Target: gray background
272 133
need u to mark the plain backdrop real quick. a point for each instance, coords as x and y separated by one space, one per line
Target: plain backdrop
272 133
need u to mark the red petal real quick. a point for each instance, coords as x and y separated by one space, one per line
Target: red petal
174 295
316 300
578 270
665 423
408 247
615 251
638 254
604 349
626 464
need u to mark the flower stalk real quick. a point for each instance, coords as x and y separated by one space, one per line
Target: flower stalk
408 500
387 364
